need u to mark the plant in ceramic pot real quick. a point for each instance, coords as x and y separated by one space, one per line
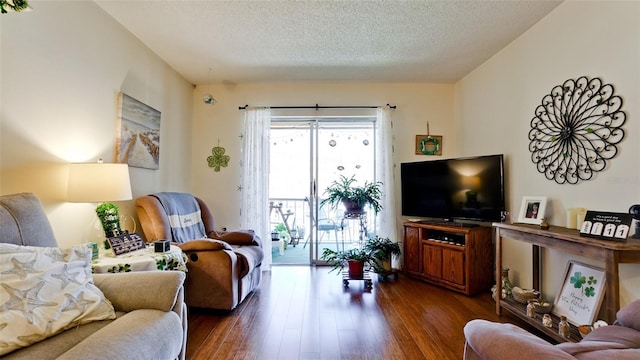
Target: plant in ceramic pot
355 259
382 250
354 198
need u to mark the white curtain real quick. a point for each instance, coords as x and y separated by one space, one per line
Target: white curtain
386 220
255 177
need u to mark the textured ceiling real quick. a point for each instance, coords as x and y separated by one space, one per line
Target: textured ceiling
355 41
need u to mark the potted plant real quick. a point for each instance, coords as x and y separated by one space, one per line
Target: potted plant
283 234
108 214
382 250
354 259
354 198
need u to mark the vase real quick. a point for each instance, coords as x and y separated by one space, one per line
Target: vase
505 284
356 268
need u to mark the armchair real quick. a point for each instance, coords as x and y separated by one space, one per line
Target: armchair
224 267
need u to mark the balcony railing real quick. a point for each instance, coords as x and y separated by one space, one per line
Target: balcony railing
296 216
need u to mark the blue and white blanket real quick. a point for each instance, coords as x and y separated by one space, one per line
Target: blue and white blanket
184 215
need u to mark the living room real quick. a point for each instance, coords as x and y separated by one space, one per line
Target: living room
72 58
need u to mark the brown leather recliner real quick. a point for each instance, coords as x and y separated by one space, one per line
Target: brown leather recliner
224 267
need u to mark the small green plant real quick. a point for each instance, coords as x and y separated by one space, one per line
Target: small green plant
339 259
344 191
108 214
382 250
282 231
382 246
13 5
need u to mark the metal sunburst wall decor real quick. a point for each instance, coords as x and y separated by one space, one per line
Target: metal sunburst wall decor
576 129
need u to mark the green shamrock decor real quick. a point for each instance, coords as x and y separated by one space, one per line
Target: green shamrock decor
218 159
578 280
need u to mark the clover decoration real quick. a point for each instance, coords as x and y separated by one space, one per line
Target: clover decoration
576 129
578 280
218 158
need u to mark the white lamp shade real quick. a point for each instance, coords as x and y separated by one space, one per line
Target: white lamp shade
98 182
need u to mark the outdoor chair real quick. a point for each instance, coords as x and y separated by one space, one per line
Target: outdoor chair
324 224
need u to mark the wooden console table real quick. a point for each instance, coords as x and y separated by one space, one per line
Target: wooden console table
611 253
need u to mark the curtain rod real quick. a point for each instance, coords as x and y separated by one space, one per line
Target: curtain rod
317 107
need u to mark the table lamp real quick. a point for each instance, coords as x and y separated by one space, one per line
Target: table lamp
99 183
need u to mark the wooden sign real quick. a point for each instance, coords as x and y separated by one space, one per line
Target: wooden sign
606 225
126 243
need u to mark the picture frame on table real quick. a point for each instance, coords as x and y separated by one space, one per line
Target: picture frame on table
581 293
532 209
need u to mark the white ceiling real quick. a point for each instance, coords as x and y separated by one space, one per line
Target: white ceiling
354 41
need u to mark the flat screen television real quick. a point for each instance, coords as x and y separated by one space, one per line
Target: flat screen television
469 188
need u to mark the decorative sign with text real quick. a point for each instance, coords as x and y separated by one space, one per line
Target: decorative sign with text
581 294
606 225
126 243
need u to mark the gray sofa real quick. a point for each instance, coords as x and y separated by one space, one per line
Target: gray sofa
621 341
149 320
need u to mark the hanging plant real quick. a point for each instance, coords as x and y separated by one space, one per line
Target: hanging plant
355 198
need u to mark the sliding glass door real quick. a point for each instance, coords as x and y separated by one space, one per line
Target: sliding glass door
307 154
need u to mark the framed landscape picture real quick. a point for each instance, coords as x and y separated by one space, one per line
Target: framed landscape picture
138 134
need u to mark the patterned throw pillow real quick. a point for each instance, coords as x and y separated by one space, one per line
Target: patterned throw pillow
44 291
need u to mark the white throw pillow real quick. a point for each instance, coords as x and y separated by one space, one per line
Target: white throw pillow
44 291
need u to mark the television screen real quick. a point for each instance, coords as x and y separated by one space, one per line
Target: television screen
463 188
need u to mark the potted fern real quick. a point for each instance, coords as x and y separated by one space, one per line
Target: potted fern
354 198
382 251
354 259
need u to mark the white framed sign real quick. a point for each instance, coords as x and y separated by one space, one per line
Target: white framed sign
581 293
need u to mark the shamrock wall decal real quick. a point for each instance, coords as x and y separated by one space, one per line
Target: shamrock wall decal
218 158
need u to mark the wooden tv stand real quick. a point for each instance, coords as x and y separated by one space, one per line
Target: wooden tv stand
449 255
611 253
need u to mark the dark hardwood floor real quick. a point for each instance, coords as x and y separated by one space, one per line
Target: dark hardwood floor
304 312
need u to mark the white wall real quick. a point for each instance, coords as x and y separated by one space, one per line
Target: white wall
62 65
495 104
416 104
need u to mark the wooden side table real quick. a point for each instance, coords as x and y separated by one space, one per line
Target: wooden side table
611 253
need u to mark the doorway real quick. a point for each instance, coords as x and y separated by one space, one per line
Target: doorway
306 155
